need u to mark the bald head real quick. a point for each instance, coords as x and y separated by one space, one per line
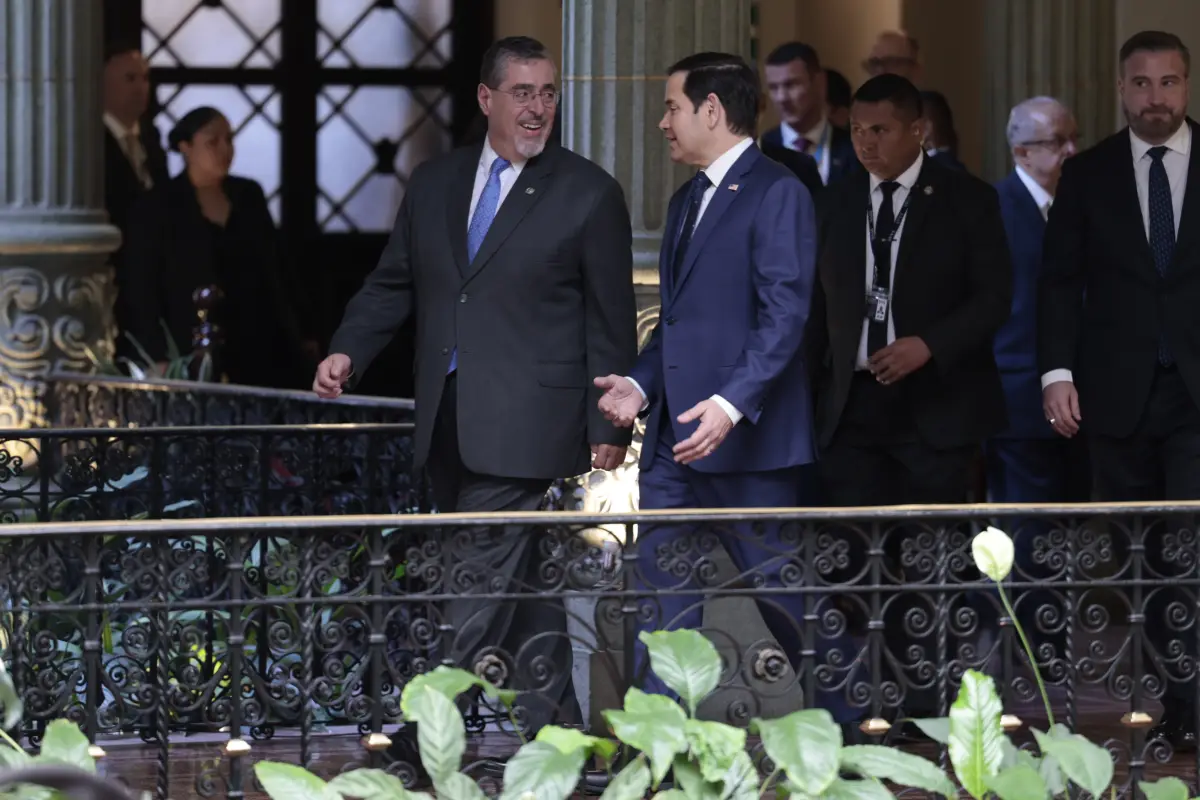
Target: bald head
1042 134
897 53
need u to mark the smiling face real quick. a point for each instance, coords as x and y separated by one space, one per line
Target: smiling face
521 109
1154 93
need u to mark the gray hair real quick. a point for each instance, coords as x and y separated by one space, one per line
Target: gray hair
1026 115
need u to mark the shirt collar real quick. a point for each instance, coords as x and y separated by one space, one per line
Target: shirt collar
790 135
907 179
817 134
119 131
1180 142
489 155
1040 196
716 171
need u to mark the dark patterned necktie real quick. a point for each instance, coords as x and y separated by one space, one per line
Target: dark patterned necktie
1162 230
881 248
699 186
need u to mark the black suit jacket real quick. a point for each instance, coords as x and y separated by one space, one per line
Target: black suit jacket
1096 247
953 289
546 305
171 250
121 185
801 165
842 159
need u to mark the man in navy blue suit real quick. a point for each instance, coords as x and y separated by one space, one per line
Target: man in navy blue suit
1028 462
722 381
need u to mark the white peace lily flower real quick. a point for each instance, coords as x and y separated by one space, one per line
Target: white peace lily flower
992 550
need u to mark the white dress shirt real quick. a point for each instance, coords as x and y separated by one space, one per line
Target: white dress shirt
508 178
907 180
819 139
1175 162
716 172
1041 197
130 141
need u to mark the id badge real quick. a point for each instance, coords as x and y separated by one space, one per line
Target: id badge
877 305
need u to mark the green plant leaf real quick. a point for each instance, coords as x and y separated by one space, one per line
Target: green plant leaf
687 663
1052 774
287 782
441 735
691 781
630 783
65 744
1021 782
540 771
1088 766
671 794
890 764
1166 789
936 728
805 745
458 786
842 789
652 724
741 779
714 745
451 682
568 740
976 738
9 700
370 784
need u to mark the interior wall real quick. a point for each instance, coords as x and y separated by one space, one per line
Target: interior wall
541 19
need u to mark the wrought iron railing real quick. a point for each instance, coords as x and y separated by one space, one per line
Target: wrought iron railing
250 628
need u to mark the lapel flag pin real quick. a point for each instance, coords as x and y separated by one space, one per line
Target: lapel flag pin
529 190
733 187
928 190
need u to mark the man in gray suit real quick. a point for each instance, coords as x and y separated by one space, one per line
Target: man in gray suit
517 257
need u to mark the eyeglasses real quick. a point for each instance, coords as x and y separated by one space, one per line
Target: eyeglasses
1058 142
524 97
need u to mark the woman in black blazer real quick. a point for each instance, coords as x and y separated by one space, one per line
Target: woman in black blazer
207 227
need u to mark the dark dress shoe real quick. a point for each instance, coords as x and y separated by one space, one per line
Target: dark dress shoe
406 757
1177 728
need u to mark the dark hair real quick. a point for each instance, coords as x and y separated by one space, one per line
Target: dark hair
894 89
937 110
795 51
186 129
730 78
1155 42
510 48
120 48
838 93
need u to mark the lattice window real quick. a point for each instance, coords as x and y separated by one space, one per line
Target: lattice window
211 33
254 113
384 33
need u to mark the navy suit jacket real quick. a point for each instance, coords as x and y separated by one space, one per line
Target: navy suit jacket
1016 341
734 323
842 159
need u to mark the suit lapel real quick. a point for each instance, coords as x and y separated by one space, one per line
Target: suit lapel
923 195
1189 217
667 249
1025 202
524 195
723 196
1131 214
458 207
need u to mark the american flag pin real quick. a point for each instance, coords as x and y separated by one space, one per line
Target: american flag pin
928 190
733 187
529 190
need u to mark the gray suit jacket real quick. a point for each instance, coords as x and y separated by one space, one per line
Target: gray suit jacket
547 304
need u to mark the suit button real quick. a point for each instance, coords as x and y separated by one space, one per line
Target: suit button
670 320
445 350
462 298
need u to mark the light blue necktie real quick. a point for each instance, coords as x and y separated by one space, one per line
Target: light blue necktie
485 212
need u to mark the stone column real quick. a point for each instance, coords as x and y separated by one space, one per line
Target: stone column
1067 49
56 288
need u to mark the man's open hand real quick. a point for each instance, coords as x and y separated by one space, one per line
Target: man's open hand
621 402
899 359
715 425
332 374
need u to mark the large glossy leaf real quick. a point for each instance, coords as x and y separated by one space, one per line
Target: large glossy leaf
10 701
630 783
976 738
568 740
671 794
1166 789
64 743
288 782
372 784
1021 782
805 745
740 781
540 771
458 786
687 663
714 746
936 728
441 736
652 724
1086 765
890 764
451 682
856 790
691 781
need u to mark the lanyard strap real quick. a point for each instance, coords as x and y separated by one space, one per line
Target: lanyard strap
891 237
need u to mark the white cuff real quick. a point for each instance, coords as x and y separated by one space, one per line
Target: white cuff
1055 376
727 407
641 391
